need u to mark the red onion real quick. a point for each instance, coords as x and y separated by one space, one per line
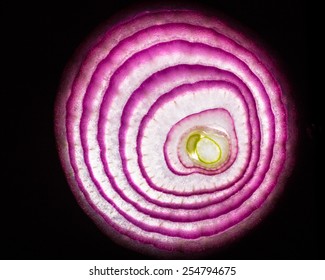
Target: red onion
174 131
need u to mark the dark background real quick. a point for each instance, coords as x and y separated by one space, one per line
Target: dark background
42 219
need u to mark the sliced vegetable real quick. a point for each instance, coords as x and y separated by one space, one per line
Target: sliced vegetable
174 132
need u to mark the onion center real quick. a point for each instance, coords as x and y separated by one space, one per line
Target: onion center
207 150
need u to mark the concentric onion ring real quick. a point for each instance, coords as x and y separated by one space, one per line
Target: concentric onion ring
173 131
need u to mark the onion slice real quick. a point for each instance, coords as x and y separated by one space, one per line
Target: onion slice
174 131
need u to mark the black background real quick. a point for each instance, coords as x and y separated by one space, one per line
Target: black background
42 219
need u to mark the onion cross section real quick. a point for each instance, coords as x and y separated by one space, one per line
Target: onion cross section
174 132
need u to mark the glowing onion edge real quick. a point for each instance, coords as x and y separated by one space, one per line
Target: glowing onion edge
175 131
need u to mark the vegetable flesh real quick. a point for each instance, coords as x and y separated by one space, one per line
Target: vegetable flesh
173 132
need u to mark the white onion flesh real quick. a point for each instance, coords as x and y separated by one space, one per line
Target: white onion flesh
126 109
